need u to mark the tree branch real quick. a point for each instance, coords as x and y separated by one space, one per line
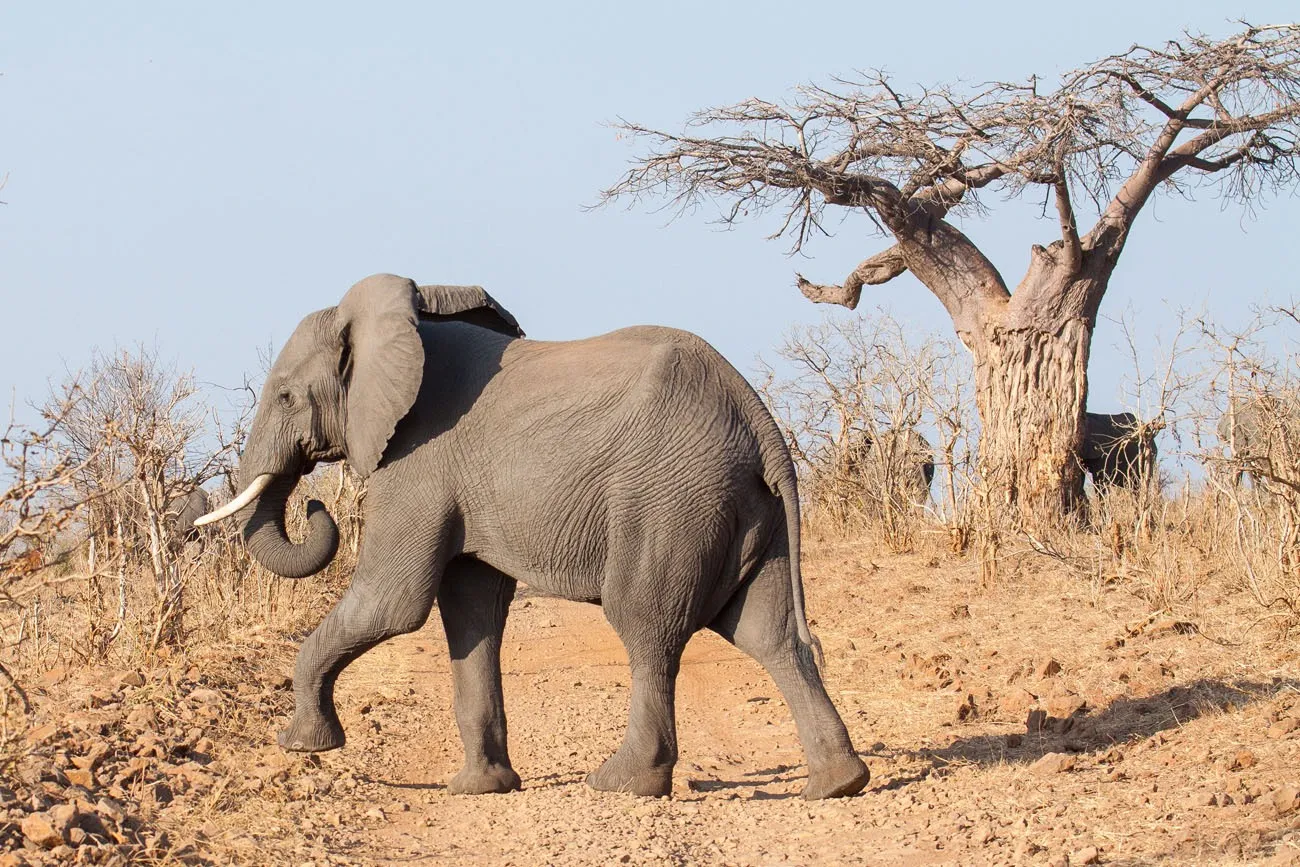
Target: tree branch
880 268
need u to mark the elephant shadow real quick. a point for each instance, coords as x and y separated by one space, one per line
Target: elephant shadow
1123 722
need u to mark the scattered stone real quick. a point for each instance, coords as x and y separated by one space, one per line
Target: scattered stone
129 678
1036 722
1064 704
1282 728
1170 625
1086 855
1049 668
376 813
1014 740
967 710
1242 760
38 828
1053 763
1017 702
1285 800
80 777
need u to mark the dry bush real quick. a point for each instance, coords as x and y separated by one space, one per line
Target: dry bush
127 583
1251 416
863 410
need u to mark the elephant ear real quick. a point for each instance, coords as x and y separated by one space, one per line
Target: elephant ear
384 367
468 304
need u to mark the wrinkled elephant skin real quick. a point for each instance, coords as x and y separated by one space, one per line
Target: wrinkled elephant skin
637 469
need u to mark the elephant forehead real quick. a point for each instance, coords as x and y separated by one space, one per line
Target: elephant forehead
314 333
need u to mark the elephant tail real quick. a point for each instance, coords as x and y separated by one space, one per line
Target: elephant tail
779 476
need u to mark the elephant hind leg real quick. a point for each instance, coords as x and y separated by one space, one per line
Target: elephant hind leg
392 593
654 628
760 621
473 600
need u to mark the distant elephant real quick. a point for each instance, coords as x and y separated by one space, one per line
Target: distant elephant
637 470
897 463
1117 450
183 511
1262 434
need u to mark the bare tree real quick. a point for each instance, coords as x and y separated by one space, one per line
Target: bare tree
33 505
140 434
1191 112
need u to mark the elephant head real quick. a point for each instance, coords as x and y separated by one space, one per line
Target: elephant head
1118 449
338 388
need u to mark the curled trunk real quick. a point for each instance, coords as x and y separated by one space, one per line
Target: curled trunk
263 526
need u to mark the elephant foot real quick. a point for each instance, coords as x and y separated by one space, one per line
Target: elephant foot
615 776
484 780
842 778
312 735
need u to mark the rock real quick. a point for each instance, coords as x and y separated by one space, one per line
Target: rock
206 696
1170 625
1282 727
1242 760
1014 740
1065 704
967 710
142 717
13 859
1036 721
1049 668
1286 799
1053 763
1062 860
80 777
376 813
129 678
38 828
93 757
1086 855
1203 799
1017 702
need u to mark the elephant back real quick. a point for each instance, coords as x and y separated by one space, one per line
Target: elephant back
467 304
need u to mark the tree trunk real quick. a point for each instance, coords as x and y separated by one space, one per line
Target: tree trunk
1031 393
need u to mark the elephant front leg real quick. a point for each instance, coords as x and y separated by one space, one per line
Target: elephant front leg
474 600
388 596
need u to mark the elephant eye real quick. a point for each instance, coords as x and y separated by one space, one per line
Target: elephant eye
286 399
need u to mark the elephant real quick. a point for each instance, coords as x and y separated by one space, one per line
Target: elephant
1118 449
637 470
182 512
1262 434
897 462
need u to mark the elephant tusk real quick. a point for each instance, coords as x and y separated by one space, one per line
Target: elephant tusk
251 493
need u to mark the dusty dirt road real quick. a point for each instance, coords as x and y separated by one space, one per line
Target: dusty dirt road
1045 720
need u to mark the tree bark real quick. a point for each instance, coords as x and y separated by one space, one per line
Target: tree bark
1031 393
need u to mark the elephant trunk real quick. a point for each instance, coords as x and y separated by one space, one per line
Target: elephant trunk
263 527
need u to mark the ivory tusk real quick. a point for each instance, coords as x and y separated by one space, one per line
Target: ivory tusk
252 492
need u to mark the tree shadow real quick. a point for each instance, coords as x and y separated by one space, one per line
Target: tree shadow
1124 721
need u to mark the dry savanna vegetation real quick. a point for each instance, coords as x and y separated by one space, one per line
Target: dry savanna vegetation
1043 660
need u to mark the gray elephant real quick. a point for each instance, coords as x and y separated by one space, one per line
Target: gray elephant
637 470
1262 434
895 462
1118 449
183 511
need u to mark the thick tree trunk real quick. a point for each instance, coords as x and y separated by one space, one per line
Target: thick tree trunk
1031 392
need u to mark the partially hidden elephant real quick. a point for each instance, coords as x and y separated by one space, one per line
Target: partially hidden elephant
1262 435
1118 449
897 462
637 470
183 511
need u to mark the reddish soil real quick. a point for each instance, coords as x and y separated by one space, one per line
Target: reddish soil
1046 720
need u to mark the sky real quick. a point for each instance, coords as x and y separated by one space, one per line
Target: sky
199 178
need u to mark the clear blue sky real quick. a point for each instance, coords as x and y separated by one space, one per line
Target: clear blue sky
203 176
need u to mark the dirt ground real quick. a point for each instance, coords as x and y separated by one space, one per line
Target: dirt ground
1046 720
